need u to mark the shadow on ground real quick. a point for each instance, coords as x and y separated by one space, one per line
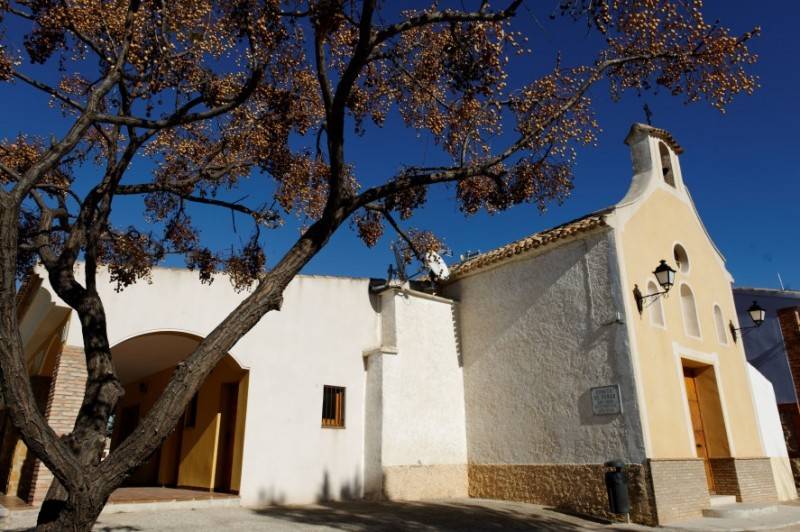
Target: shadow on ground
359 516
98 527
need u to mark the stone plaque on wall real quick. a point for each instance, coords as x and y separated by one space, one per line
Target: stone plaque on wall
606 400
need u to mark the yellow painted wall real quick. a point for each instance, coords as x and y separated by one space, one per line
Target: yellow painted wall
198 449
648 236
198 444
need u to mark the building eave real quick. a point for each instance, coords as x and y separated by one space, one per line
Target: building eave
536 241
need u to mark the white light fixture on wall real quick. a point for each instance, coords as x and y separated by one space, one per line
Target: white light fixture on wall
665 276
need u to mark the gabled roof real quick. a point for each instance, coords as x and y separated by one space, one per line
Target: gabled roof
534 241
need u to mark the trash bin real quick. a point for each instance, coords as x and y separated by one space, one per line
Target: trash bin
617 486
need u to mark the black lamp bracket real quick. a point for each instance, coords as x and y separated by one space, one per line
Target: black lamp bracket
735 330
637 294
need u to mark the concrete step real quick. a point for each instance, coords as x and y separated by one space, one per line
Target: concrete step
722 500
739 510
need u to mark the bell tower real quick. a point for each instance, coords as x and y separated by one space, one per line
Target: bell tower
655 160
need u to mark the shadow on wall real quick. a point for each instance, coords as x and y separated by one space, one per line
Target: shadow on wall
417 516
457 333
543 282
270 497
348 491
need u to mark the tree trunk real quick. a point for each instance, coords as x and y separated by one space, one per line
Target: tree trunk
75 513
57 505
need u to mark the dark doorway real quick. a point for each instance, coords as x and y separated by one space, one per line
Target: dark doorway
229 397
147 473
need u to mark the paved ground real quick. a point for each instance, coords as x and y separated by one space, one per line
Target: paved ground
461 515
453 515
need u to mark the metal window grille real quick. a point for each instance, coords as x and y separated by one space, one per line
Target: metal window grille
333 406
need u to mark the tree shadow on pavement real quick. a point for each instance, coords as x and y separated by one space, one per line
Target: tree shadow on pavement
360 516
97 528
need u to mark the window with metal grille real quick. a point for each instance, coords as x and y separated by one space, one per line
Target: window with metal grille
333 406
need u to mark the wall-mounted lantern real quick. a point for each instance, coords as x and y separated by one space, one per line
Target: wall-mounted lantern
757 315
665 277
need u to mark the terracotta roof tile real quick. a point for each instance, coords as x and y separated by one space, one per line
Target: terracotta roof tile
534 241
659 133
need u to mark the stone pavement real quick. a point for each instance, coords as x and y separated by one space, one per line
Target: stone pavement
784 516
451 515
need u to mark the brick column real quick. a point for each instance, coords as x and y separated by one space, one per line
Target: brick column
63 404
789 319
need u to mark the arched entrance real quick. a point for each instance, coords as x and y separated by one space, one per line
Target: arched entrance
205 449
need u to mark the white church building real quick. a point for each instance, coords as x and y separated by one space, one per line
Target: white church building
517 378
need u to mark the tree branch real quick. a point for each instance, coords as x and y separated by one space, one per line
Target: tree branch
260 216
11 173
389 218
335 117
76 132
48 89
415 178
447 15
183 115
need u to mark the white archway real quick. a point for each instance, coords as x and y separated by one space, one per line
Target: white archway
205 450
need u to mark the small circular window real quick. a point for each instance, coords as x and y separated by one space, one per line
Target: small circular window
681 258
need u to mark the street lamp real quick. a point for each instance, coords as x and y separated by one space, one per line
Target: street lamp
665 276
757 315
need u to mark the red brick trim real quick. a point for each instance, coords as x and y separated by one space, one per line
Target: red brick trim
789 319
63 404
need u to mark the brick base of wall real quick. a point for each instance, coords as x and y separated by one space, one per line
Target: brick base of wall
576 488
680 488
726 482
749 479
756 480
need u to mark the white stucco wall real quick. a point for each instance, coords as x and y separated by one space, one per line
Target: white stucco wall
771 431
537 333
317 338
418 442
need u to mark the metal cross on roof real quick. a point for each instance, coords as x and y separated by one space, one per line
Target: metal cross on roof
649 114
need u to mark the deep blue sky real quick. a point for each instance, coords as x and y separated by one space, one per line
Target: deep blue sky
741 167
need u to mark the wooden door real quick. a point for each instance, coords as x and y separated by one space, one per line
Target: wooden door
689 379
227 431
